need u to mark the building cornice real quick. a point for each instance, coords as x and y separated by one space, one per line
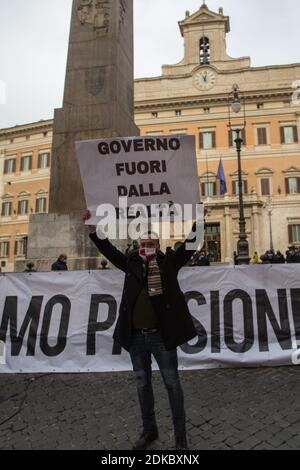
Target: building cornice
206 100
26 128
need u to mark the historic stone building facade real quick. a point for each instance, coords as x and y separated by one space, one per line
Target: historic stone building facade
25 153
190 98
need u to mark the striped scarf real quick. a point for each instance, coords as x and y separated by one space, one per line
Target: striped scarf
154 279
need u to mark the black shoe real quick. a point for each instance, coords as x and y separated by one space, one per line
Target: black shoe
181 443
146 439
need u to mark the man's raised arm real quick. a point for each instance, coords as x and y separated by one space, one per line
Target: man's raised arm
106 248
184 252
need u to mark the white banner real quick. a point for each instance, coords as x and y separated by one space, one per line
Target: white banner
63 322
144 170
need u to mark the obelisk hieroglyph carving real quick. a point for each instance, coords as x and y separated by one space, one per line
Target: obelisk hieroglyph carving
98 96
97 103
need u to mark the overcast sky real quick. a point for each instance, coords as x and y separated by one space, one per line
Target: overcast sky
34 40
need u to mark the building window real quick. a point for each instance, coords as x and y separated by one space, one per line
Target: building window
23 207
292 185
204 51
262 136
235 187
20 247
232 136
6 209
4 249
154 114
26 163
178 112
265 186
40 205
294 233
9 166
44 160
289 135
209 189
207 140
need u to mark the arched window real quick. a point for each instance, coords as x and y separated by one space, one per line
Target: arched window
204 51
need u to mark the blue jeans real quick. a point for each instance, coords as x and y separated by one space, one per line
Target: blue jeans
143 346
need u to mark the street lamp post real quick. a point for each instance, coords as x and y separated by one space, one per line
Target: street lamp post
234 104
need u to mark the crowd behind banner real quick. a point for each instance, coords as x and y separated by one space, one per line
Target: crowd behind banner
292 256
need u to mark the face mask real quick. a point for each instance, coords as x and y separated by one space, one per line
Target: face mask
147 252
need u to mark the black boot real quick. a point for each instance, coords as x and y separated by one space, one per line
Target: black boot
147 437
181 443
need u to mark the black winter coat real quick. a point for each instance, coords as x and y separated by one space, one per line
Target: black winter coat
59 266
175 321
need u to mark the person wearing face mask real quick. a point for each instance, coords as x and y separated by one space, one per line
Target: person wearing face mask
153 320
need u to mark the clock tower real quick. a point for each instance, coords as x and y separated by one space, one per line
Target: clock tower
204 34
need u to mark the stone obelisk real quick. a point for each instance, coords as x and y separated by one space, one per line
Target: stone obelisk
97 103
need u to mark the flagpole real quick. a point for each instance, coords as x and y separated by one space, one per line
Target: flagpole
220 188
207 177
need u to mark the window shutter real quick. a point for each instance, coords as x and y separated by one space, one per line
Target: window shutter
215 189
233 188
287 186
244 137
290 234
5 167
26 207
16 247
262 136
265 187
298 185
203 189
37 205
282 138
8 248
295 131
19 207
39 161
22 163
265 138
245 187
2 210
201 140
230 139
213 140
30 163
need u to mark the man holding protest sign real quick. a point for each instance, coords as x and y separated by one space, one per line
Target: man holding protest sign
154 319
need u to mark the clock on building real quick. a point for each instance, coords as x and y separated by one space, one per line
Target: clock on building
205 79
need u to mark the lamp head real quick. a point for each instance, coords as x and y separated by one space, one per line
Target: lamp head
236 103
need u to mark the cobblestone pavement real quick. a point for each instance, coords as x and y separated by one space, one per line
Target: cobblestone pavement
227 409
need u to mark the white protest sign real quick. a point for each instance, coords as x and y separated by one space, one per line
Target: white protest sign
145 170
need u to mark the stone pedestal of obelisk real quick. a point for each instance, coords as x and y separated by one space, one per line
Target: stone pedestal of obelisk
98 103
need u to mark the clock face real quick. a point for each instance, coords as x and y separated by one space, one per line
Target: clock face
205 79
